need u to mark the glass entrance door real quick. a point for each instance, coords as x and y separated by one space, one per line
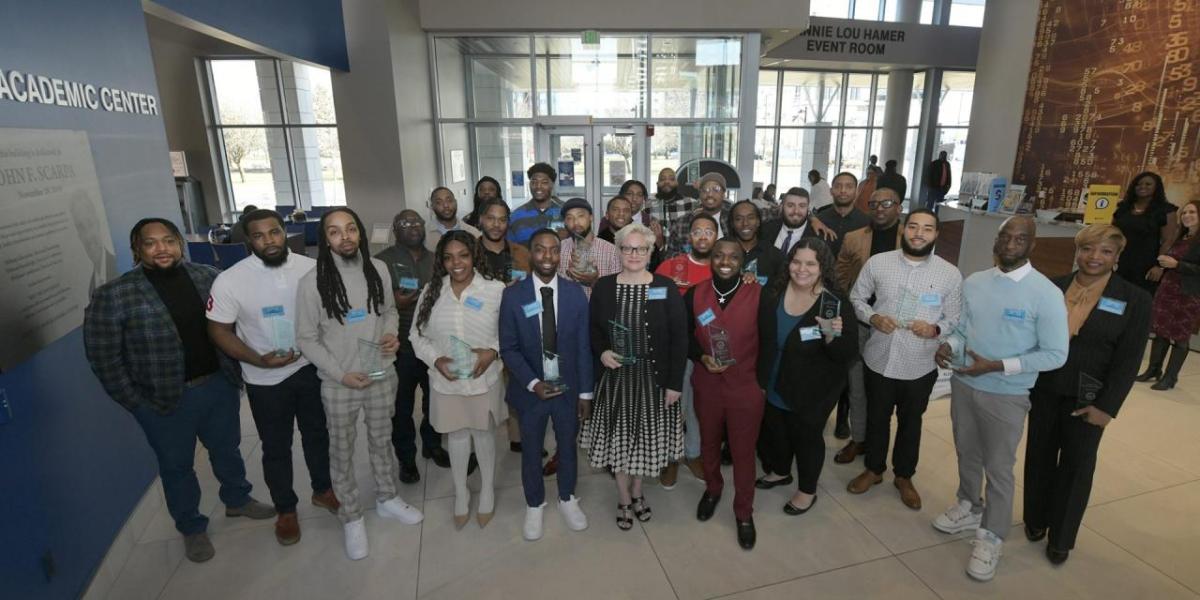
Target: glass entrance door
593 161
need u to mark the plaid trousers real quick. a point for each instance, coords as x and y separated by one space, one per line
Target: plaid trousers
377 403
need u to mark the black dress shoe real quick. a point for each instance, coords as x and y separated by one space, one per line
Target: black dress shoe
763 483
793 510
1056 556
1034 535
708 505
514 447
439 455
841 430
746 534
1166 383
409 472
726 455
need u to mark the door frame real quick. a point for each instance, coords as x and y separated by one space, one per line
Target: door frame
595 188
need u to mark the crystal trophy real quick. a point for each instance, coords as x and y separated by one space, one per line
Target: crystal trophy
462 358
551 375
958 347
581 257
679 272
622 343
830 308
722 352
751 267
908 308
370 359
283 335
1089 390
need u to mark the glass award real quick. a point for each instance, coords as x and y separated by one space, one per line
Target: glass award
370 359
1089 390
551 375
828 309
958 347
581 257
722 351
622 343
751 267
908 308
462 358
679 272
283 335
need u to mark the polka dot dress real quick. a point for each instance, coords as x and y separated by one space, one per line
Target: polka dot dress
632 430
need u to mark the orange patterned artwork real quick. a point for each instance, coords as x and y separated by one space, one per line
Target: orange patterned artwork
1112 92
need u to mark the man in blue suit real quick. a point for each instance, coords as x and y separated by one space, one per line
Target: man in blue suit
544 328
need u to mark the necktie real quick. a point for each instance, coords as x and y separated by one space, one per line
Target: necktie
787 241
549 329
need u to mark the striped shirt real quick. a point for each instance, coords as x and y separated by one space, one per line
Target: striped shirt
527 219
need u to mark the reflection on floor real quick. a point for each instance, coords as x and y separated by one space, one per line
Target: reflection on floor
1141 536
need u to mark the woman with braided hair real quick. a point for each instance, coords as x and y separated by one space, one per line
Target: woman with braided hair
343 315
461 304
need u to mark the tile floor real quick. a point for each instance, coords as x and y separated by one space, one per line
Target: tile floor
1141 536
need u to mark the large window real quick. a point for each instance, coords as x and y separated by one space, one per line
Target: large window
274 130
954 118
968 13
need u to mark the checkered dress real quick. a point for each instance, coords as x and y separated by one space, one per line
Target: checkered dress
632 430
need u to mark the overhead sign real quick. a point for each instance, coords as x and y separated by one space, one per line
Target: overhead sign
847 40
33 88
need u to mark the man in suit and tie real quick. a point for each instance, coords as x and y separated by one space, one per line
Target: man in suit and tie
545 343
792 224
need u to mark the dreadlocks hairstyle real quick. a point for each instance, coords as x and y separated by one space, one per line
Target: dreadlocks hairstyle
434 288
135 235
329 280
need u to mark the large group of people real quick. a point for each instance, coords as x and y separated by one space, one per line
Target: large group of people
670 332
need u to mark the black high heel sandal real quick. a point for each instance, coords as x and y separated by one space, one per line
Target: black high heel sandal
640 509
624 520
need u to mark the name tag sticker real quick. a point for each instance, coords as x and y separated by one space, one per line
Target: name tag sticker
657 293
807 334
409 283
272 311
556 225
931 299
473 303
532 309
762 280
706 317
519 275
357 315
1112 305
1014 314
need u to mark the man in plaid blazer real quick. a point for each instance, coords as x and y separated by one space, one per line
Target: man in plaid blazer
146 340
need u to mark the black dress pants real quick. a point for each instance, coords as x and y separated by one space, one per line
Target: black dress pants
797 434
278 410
908 399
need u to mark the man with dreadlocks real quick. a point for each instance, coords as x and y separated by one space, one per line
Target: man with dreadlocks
341 304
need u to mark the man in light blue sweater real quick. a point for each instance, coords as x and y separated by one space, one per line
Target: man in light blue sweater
1013 326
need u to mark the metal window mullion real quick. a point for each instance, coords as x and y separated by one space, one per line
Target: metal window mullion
287 135
217 139
436 97
778 131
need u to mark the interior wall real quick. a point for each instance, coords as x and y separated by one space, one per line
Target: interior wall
635 15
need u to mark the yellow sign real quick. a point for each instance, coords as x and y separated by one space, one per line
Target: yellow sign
1101 203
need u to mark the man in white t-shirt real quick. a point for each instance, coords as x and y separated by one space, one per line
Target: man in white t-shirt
819 192
251 317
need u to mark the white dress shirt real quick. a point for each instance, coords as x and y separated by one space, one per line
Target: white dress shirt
797 233
1012 366
457 316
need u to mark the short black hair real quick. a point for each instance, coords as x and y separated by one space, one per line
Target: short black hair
438 189
702 215
483 208
797 191
614 199
135 234
757 210
258 215
937 223
852 177
544 169
541 232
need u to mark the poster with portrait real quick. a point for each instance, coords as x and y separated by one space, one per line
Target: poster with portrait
55 246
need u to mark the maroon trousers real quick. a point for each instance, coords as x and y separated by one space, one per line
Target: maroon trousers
723 412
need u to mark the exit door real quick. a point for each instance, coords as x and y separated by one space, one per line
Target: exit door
593 161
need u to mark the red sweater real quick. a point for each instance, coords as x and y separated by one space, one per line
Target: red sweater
696 273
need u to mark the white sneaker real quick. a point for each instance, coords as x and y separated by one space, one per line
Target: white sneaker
573 514
958 518
400 510
986 555
533 523
356 539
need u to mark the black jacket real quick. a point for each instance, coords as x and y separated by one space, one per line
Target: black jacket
808 371
666 321
770 230
1108 347
1189 271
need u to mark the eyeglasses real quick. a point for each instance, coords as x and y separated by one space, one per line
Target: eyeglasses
408 224
638 250
712 189
873 204
704 233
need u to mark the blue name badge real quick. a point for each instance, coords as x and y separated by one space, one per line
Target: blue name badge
409 283
519 275
277 311
532 309
1112 305
1014 314
357 315
706 317
473 303
657 293
931 299
808 334
762 280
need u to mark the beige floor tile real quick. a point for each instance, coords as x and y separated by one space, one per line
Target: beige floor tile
886 576
149 568
1160 527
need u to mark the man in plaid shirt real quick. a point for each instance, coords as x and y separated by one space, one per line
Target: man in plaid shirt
672 208
146 339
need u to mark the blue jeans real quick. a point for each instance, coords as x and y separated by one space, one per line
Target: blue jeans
208 412
691 424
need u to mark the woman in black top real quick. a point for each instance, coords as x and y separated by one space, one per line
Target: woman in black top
802 367
1150 224
1109 319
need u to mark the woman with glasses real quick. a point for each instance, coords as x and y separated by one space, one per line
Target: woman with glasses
639 331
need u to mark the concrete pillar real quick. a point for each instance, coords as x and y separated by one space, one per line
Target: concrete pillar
268 93
899 97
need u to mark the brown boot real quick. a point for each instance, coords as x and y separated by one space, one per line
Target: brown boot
287 529
327 500
908 493
864 481
849 452
668 476
696 466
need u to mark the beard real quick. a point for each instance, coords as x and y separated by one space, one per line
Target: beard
167 269
276 261
909 250
701 255
663 191
583 234
795 225
351 256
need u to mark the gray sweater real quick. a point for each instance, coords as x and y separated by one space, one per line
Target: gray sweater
333 346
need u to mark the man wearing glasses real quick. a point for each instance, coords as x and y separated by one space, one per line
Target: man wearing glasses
882 235
712 203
